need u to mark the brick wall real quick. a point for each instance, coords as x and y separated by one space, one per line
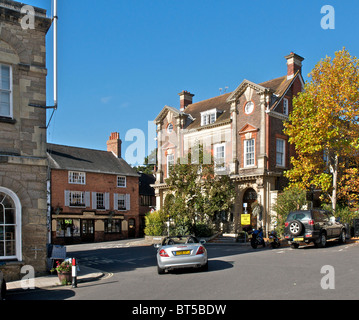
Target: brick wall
101 183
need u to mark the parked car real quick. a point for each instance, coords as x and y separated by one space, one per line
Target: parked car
315 225
2 286
181 252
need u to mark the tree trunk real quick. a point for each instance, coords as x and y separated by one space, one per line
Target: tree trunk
335 183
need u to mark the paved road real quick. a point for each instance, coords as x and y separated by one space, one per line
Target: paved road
235 273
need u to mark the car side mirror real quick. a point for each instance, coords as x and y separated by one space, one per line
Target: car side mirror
202 241
157 245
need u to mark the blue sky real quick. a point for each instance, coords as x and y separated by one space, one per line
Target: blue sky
122 61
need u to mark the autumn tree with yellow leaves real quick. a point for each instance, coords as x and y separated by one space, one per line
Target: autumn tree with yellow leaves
324 128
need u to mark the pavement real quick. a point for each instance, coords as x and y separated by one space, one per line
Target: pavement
87 274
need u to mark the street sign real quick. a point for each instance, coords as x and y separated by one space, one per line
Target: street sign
245 219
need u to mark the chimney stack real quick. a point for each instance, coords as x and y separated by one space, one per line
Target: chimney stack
294 63
185 99
114 144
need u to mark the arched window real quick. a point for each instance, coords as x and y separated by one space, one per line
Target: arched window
10 225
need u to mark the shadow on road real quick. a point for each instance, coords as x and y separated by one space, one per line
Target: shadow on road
41 294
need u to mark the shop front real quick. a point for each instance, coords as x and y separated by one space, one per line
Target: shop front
88 227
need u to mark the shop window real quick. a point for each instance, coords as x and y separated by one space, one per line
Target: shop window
67 228
113 226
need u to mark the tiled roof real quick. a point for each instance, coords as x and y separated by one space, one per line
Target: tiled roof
278 85
219 102
88 160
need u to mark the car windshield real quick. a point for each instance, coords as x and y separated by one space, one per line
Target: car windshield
179 240
299 215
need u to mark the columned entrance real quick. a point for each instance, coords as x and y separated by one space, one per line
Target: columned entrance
250 196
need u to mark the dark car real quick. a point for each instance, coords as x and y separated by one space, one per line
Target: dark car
315 225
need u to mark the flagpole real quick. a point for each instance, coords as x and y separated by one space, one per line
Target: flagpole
55 55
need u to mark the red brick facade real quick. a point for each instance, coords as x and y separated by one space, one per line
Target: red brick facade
256 151
89 205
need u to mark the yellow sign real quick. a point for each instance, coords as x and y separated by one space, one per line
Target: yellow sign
245 219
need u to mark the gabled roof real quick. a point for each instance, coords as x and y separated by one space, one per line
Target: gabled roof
277 86
164 112
87 160
283 87
242 87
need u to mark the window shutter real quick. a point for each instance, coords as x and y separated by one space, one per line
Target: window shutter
94 206
67 198
87 199
128 202
107 201
115 201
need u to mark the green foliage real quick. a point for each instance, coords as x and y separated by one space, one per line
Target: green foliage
345 214
290 200
203 230
155 223
198 193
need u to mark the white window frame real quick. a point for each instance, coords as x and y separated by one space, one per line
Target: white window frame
18 226
246 153
285 106
123 179
75 195
219 161
208 117
280 153
170 162
126 198
97 203
10 91
77 177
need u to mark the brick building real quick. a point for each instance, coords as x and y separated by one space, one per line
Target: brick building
23 161
147 198
243 130
94 194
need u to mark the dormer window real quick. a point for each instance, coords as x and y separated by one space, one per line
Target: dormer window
209 117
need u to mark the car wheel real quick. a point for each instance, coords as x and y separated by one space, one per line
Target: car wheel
322 240
295 227
343 237
294 245
205 267
160 270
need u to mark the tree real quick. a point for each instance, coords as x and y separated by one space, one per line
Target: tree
290 200
155 223
198 192
324 128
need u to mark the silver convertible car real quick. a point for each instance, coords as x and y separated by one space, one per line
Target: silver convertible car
181 252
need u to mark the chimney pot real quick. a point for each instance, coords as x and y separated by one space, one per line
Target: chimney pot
186 99
294 63
114 144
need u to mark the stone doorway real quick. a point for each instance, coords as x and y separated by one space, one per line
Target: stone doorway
249 197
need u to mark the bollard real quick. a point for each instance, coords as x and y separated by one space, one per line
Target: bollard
74 273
